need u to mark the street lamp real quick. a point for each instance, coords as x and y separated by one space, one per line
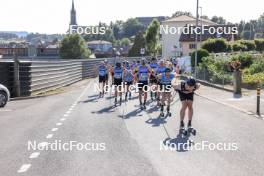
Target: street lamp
201 12
196 39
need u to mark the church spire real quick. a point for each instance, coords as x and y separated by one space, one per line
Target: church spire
73 6
73 15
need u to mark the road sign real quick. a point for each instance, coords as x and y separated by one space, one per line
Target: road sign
142 51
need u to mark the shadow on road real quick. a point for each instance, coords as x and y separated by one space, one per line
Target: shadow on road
157 121
179 144
134 113
108 109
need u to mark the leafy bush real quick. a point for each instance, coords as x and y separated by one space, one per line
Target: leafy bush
250 44
239 47
259 45
215 45
201 53
245 59
253 79
257 67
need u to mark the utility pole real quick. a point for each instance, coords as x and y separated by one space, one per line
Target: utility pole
196 38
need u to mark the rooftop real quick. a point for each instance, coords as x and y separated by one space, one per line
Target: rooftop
186 18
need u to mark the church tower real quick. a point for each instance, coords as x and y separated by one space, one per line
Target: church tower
73 15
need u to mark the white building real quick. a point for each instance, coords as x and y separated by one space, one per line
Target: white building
170 41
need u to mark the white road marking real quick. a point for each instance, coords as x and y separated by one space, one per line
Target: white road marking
5 110
49 136
24 168
68 112
65 115
34 155
54 129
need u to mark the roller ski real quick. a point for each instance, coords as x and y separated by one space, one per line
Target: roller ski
182 130
120 101
115 102
190 129
161 111
141 106
126 97
101 94
168 111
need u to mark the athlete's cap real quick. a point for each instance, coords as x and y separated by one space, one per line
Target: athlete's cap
191 82
118 64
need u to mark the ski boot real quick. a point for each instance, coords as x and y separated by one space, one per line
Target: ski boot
144 106
182 130
191 130
141 106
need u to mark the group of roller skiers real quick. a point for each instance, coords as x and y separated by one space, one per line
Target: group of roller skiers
159 77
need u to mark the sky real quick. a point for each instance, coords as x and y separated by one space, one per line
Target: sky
53 16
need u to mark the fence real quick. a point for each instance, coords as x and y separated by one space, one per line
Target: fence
37 76
224 79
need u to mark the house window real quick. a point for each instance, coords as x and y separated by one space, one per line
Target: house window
191 46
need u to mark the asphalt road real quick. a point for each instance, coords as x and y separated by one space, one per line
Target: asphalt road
124 140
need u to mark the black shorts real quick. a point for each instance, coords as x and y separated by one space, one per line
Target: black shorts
184 96
117 82
102 79
153 80
143 85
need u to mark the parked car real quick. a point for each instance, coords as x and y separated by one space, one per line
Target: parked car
4 95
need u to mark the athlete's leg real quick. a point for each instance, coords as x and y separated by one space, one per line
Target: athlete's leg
182 112
168 97
190 112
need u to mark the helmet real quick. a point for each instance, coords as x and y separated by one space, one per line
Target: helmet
191 82
118 64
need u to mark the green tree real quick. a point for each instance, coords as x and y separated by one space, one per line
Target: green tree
125 42
215 45
200 55
218 20
139 43
131 27
152 37
73 47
